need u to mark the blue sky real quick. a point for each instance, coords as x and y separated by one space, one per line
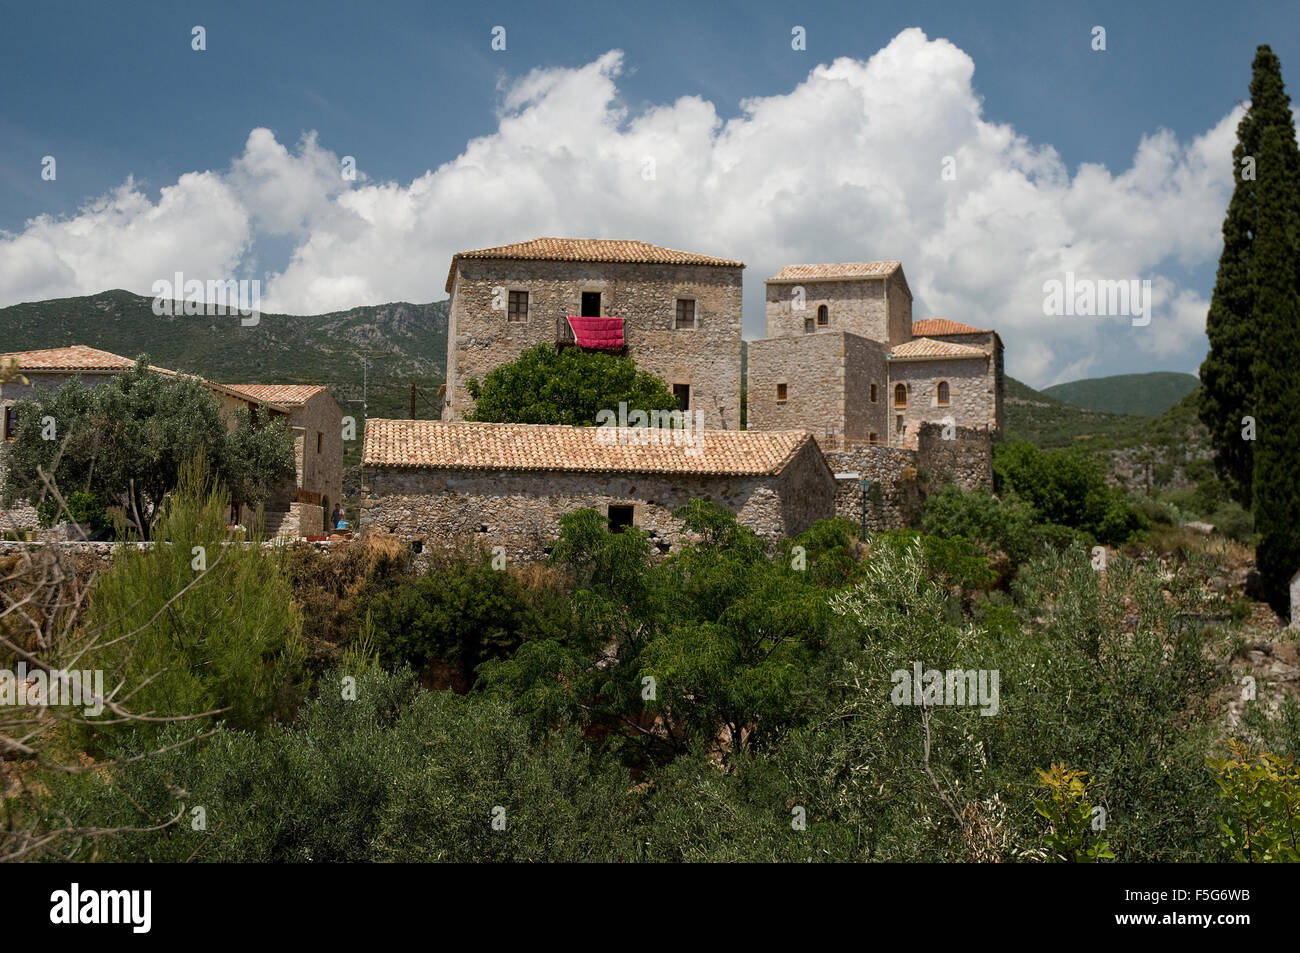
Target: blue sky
116 94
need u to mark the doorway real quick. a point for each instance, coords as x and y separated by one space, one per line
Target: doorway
591 304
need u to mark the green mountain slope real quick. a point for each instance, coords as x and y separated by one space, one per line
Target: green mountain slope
1051 423
404 344
1144 394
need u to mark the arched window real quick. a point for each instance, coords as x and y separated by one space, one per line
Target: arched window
943 393
900 395
823 316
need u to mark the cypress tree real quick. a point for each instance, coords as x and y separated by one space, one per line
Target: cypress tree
1276 290
1226 375
1253 368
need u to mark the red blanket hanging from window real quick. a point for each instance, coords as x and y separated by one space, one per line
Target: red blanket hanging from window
597 332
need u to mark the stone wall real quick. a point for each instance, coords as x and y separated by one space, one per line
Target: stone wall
901 477
828 378
320 470
879 309
865 366
966 461
302 519
521 510
707 357
854 306
900 309
990 344
894 499
812 369
969 396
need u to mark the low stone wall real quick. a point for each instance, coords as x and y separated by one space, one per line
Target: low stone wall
100 555
303 519
902 478
894 499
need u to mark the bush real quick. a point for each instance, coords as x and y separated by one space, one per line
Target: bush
1234 522
953 560
1066 488
546 385
214 624
392 773
1009 526
460 611
84 508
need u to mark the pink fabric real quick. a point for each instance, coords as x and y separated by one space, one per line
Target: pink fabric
597 332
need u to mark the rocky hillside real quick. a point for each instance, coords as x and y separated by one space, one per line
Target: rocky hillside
402 343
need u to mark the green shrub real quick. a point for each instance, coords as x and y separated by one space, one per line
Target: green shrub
460 611
83 507
1066 488
953 560
197 624
1234 522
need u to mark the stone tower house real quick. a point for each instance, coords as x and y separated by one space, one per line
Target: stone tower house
844 359
677 314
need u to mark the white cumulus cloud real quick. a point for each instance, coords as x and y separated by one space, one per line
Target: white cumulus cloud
844 167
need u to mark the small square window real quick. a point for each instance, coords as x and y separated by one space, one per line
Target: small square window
518 306
620 517
685 314
780 393
871 438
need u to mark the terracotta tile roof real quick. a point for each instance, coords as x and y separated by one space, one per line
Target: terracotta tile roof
927 348
286 395
932 326
848 269
80 358
590 249
76 357
482 446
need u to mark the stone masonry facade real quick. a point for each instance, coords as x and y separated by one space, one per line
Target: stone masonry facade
704 355
448 483
521 510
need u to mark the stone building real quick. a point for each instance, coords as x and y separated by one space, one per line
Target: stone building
317 424
844 359
312 414
508 484
676 313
